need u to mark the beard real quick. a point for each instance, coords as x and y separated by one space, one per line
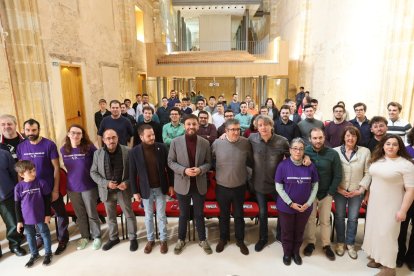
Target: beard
33 137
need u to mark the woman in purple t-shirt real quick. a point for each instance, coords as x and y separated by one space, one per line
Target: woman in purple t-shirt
77 155
297 186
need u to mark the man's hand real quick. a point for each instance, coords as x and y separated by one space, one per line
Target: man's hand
123 186
171 191
112 185
19 227
47 219
194 171
306 161
137 197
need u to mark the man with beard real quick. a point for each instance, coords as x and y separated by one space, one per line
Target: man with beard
190 159
335 129
43 153
284 126
379 127
9 136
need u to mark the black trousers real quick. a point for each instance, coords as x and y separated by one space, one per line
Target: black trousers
226 198
403 253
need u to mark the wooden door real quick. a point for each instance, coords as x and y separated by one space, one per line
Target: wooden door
72 95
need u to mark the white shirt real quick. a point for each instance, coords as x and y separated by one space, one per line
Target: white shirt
218 119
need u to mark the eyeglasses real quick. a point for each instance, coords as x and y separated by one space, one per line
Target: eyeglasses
234 129
297 149
359 109
229 116
202 118
73 133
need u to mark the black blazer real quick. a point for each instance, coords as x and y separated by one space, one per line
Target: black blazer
138 176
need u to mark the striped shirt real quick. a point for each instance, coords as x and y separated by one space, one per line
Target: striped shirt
399 127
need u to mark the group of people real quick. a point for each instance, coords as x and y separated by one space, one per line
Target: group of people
302 163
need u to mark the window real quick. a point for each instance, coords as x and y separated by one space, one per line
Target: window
139 22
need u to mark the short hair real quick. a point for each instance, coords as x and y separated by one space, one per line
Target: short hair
338 106
287 100
147 108
263 107
164 98
228 111
231 122
24 166
219 103
297 140
243 103
143 127
127 100
10 117
138 95
398 105
102 101
212 97
353 131
341 102
203 112
123 104
175 109
200 100
314 129
307 106
360 104
114 102
378 119
185 99
31 122
308 99
109 129
302 87
285 106
235 94
190 117
314 101
145 95
266 120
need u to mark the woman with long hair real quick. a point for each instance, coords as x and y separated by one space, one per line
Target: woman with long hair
77 153
272 109
391 195
350 192
252 128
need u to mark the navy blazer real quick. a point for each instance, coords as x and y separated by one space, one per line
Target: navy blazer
138 175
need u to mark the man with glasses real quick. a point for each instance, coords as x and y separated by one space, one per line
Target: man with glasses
201 104
206 130
174 128
228 114
231 182
361 122
335 129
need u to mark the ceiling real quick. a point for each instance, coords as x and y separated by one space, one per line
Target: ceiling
236 10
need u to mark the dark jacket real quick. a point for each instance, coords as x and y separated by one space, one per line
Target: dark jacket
7 175
364 129
99 117
138 177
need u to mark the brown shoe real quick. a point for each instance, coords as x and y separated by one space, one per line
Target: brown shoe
243 248
373 264
220 246
148 247
164 247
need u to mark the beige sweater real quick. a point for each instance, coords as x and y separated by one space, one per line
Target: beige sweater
355 172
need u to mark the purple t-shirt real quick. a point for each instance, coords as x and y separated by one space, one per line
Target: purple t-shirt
79 166
297 182
30 195
410 151
41 155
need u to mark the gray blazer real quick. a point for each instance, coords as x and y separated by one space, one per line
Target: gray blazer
98 172
178 161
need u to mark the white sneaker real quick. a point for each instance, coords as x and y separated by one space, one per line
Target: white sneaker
96 244
352 252
82 243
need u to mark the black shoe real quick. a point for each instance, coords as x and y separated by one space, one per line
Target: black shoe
1 253
297 259
18 251
32 260
259 245
133 245
329 253
48 259
220 246
109 244
399 263
61 247
309 249
410 265
243 248
287 259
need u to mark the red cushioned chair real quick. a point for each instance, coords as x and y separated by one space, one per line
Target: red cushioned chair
250 208
272 211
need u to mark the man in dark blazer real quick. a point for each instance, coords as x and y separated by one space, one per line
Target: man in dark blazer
110 170
148 166
190 159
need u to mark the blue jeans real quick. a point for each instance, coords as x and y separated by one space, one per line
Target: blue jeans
30 232
160 201
262 200
354 204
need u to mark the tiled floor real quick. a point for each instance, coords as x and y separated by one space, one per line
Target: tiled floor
193 261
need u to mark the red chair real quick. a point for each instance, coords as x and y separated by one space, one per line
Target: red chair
172 210
250 208
272 211
362 214
63 180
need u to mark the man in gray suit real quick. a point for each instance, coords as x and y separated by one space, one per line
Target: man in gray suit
189 157
110 170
